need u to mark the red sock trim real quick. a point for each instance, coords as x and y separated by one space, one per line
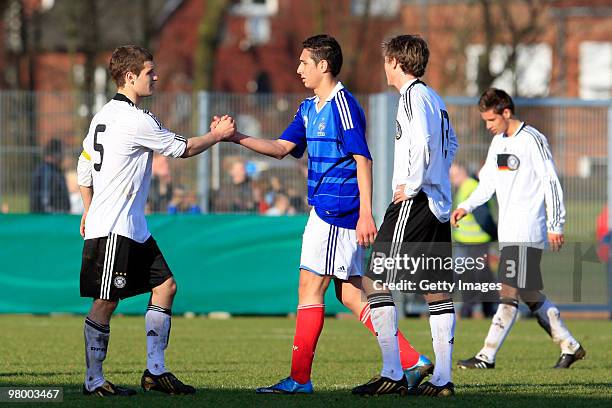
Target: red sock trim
408 355
366 319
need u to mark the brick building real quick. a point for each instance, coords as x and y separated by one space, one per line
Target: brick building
567 50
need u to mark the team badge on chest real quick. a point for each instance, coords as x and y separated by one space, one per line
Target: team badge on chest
398 130
508 162
321 132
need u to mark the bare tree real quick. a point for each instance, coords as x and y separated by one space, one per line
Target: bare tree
359 34
209 35
502 26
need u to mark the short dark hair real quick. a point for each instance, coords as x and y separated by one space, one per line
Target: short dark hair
410 51
325 47
495 99
127 58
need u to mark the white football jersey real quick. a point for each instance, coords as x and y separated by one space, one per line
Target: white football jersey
520 170
425 145
116 161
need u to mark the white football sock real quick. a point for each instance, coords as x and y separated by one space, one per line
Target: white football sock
550 319
96 345
442 324
502 322
384 321
157 322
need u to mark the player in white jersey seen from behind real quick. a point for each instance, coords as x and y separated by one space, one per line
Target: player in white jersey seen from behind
416 223
520 170
120 257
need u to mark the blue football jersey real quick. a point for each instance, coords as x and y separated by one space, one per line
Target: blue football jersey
332 136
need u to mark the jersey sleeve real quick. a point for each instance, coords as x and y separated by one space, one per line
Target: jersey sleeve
85 163
544 168
352 127
153 135
296 133
84 170
486 183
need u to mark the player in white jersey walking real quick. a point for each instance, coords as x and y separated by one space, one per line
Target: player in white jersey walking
520 170
417 221
120 257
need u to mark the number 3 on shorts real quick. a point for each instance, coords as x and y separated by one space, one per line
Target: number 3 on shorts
510 268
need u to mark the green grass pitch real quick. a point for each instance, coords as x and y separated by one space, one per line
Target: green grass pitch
227 359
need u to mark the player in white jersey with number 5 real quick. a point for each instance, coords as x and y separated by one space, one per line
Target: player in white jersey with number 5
120 257
520 171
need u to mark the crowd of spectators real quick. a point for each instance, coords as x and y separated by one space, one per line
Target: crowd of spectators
242 189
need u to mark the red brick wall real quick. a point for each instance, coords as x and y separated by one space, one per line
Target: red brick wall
295 21
448 28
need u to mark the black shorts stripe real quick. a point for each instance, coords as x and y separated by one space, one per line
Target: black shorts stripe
400 226
522 266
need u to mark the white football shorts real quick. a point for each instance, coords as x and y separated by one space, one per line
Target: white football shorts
330 250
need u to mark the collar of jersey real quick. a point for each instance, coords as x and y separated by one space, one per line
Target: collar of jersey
121 97
407 85
516 132
333 93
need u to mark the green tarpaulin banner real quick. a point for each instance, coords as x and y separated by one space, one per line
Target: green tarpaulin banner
241 264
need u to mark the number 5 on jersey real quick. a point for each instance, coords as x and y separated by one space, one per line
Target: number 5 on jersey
98 146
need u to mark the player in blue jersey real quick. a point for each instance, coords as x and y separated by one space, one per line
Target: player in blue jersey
331 125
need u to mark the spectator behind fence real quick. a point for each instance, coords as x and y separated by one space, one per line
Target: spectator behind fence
282 206
276 187
472 238
259 188
237 196
183 202
160 192
48 189
298 201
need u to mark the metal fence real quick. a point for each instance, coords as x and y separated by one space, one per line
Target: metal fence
229 178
